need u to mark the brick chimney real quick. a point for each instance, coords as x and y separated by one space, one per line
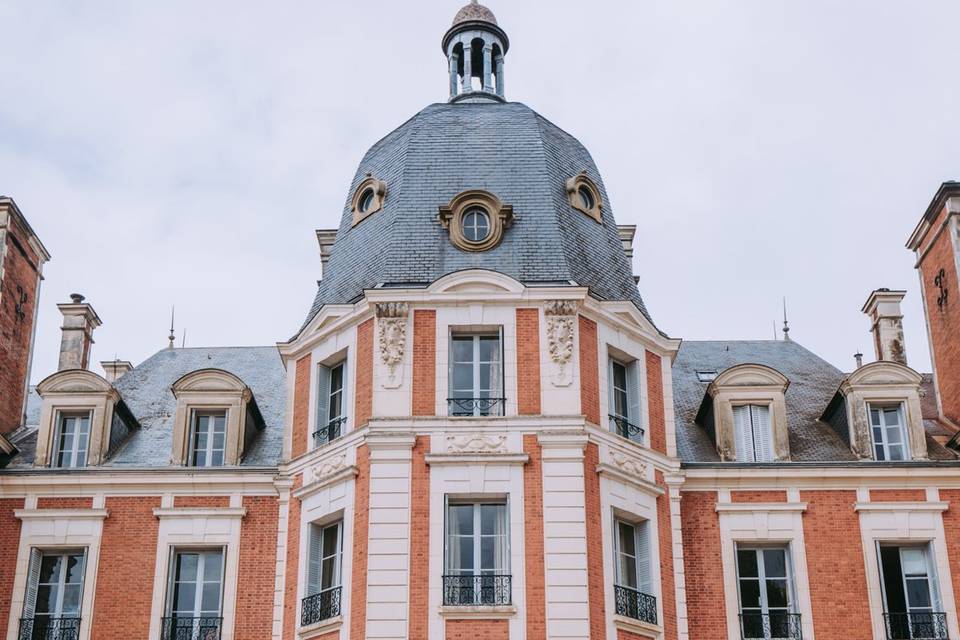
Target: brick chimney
886 324
79 321
115 369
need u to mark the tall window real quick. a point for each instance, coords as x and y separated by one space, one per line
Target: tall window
323 574
194 596
751 426
330 403
911 602
765 588
72 438
54 588
477 564
208 436
476 375
888 433
633 580
625 399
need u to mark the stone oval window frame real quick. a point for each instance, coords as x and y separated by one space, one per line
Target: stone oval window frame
499 215
583 181
379 188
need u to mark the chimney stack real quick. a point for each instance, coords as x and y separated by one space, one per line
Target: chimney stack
79 321
886 324
858 358
115 369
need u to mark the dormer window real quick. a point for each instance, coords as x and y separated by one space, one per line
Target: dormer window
751 425
368 198
584 196
476 220
73 438
208 439
888 431
706 376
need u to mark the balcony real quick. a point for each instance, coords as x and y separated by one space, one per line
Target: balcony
625 429
178 628
320 606
635 604
47 628
916 626
480 407
778 625
330 432
469 590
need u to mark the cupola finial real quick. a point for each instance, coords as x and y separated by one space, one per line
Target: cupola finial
475 47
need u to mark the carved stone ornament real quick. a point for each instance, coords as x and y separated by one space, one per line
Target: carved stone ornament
392 320
630 466
477 443
561 318
328 467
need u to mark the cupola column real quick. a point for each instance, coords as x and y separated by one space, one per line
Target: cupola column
454 60
475 33
467 69
487 66
499 70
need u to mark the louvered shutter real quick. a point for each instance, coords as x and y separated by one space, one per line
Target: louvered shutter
644 581
314 558
742 433
633 397
323 396
611 396
33 580
762 438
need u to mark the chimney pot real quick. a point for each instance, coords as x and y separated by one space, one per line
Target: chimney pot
886 324
77 298
115 369
79 321
858 357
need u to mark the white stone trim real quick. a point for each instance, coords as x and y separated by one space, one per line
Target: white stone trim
320 628
639 627
478 613
438 459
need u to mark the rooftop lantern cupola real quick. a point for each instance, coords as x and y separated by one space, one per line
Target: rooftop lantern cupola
475 47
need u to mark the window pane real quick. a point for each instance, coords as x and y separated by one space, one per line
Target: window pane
627 539
328 572
46 599
465 560
777 593
918 593
775 563
216 459
210 601
750 593
891 417
50 568
488 558
484 386
893 434
74 569
913 561
875 417
211 566
330 535
879 453
489 349
184 596
218 440
747 563
896 451
490 515
71 600
463 349
186 567
628 571
463 380
461 519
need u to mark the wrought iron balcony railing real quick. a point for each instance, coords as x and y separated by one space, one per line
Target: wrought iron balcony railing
777 625
476 590
320 606
47 628
635 604
181 628
916 626
330 432
460 407
626 429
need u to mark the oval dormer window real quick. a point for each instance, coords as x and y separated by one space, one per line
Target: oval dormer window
476 220
476 225
584 195
368 198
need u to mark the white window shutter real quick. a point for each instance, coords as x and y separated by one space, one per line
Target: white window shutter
633 395
762 438
323 396
611 398
33 579
742 433
314 557
644 580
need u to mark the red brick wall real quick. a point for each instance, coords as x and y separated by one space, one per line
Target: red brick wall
203 502
258 568
424 362
534 570
9 547
898 495
364 389
703 571
528 362
291 572
301 406
668 591
626 635
595 579
838 584
944 322
951 529
128 558
19 269
758 496
361 529
52 502
589 371
477 630
658 423
419 541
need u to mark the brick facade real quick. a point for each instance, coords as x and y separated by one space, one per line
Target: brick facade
9 547
301 406
758 496
45 502
951 530
589 371
203 502
419 541
424 383
898 495
528 362
361 528
533 540
258 567
658 422
668 593
703 571
477 630
595 578
364 369
290 578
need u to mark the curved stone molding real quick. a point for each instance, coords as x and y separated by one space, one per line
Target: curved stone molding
379 194
477 443
573 187
630 466
392 322
561 318
74 381
499 215
328 467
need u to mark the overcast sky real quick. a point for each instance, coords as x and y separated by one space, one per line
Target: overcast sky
184 153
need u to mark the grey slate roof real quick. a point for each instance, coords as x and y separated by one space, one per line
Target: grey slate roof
504 148
813 383
146 392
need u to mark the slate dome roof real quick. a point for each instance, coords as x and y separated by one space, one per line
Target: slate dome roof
505 148
474 12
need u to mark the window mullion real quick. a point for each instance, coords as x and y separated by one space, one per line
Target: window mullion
762 577
198 589
61 582
476 374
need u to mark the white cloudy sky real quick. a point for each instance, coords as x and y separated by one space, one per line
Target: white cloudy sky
184 152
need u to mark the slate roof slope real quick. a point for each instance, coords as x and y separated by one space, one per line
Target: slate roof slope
505 148
146 392
813 383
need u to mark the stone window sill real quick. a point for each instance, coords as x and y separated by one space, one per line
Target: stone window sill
318 629
478 612
631 625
